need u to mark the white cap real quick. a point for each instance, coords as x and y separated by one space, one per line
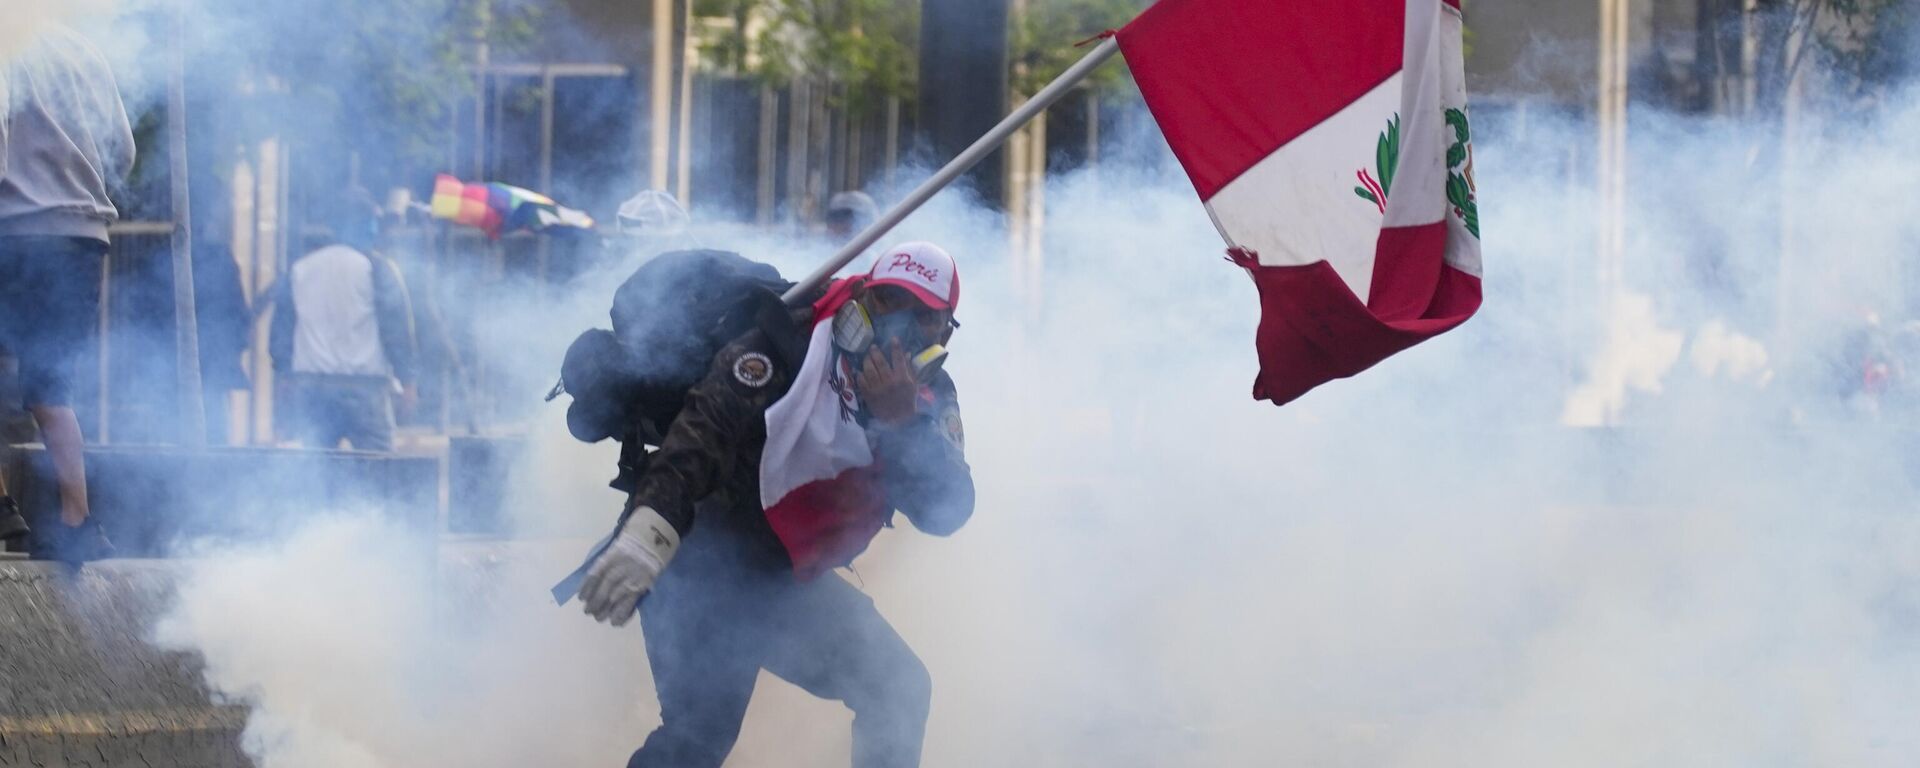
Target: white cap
924 269
860 204
653 212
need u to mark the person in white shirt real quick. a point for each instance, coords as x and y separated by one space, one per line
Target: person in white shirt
342 335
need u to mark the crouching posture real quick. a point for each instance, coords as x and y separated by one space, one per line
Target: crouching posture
801 443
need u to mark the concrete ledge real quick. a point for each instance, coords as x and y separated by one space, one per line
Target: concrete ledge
208 738
81 686
150 498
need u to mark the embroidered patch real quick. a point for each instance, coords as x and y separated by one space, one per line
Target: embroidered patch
753 369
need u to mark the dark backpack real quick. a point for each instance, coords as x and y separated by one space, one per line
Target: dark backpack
669 320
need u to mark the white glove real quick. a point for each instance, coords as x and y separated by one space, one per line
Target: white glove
628 567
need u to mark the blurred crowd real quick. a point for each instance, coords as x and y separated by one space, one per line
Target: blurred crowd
356 327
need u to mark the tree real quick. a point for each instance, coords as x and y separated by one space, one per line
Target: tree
732 51
1861 46
864 47
379 76
869 45
1044 37
1870 45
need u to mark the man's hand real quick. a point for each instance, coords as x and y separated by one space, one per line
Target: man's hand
888 385
628 568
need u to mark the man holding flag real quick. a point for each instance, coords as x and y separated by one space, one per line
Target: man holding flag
1328 139
1330 143
797 447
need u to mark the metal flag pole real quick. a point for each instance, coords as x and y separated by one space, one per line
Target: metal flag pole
193 416
953 170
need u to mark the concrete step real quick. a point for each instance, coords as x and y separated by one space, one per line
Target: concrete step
151 498
81 686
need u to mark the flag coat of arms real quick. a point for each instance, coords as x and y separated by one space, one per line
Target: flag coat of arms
1330 142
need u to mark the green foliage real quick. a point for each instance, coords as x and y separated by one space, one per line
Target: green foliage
383 75
730 52
1860 47
1043 39
863 46
869 46
1868 44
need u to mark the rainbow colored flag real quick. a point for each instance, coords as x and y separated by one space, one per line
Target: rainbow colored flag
497 209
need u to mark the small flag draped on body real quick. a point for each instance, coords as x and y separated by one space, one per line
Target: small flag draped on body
497 209
1330 142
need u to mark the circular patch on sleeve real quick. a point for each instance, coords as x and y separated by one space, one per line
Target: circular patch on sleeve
753 369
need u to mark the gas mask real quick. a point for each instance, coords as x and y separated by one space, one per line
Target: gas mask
855 331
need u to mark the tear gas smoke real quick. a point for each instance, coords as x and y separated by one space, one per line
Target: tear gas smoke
1433 564
26 18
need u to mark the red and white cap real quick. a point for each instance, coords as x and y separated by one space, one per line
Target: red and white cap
924 269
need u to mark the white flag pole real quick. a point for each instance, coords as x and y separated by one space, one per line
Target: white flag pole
960 165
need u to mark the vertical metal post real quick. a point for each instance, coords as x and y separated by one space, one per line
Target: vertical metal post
1610 169
544 245
799 115
660 94
193 415
548 81
1093 130
768 155
482 58
891 162
683 160
103 432
963 82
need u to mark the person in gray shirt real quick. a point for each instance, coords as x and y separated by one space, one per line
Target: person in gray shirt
64 141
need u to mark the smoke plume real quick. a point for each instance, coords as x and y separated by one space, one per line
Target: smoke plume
1667 526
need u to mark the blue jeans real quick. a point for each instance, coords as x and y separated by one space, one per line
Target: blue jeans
711 626
329 409
49 308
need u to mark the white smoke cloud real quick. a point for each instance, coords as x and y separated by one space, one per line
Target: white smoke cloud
27 18
1423 566
1719 351
355 650
1637 355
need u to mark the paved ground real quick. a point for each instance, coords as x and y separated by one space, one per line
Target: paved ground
79 686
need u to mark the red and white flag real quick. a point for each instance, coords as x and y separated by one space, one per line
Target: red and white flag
1330 142
819 480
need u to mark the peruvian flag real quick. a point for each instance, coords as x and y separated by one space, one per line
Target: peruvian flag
1329 140
819 479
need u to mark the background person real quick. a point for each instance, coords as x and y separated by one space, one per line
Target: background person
64 142
850 213
343 334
